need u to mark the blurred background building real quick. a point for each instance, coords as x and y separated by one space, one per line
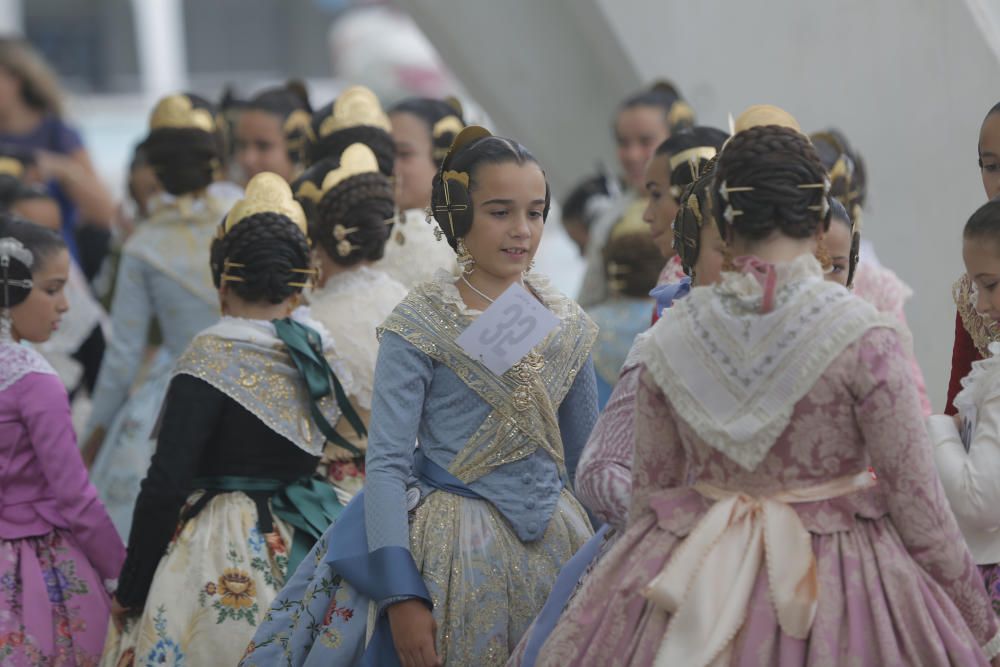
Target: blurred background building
908 81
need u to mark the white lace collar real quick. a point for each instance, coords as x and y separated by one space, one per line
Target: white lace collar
981 384
18 360
734 374
447 291
354 279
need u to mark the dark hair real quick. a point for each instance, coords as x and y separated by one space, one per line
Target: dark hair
283 102
687 171
632 263
363 202
838 212
984 223
40 241
184 158
663 95
575 206
334 143
431 112
273 253
13 190
773 160
850 183
995 109
694 213
468 159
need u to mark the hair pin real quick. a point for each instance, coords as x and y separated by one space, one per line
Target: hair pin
340 232
345 248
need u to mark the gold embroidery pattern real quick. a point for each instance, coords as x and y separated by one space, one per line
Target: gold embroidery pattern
524 399
176 242
262 380
981 330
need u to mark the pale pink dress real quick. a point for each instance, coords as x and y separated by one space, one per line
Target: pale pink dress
896 584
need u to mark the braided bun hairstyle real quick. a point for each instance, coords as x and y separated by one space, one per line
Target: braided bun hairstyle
273 252
774 161
184 158
334 143
467 159
40 241
364 203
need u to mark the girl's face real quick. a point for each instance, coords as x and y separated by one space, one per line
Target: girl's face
415 167
662 207
38 316
260 145
982 263
508 204
989 154
638 131
711 256
838 244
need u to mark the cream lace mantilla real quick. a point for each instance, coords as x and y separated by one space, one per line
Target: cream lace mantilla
734 374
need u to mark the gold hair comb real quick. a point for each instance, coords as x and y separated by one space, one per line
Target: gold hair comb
267 193
354 107
178 112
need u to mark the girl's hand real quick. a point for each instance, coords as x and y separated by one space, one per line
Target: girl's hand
118 614
92 446
413 632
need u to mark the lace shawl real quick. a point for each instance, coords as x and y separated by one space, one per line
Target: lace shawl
17 360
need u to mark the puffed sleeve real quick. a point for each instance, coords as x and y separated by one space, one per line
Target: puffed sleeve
45 409
604 476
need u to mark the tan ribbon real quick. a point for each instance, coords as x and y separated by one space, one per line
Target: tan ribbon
708 582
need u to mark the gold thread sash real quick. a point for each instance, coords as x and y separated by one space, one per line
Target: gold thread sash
524 400
708 581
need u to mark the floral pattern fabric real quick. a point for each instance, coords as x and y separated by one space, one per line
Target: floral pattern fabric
211 590
897 585
50 578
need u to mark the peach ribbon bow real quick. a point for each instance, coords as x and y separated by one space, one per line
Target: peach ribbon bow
708 582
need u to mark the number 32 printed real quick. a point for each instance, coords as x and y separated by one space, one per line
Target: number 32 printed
516 327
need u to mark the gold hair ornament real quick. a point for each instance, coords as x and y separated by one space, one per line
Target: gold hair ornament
680 113
355 107
447 125
694 157
730 213
462 178
300 121
266 193
11 166
356 159
178 112
824 207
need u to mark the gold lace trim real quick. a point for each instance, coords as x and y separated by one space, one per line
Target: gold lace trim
981 330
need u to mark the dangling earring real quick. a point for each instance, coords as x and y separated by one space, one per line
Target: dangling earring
6 326
823 254
465 258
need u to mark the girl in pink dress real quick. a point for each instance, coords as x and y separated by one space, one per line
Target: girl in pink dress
58 547
757 534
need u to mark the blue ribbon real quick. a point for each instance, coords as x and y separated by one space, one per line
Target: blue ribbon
665 295
385 573
569 577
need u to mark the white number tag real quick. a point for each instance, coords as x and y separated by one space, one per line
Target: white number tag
507 330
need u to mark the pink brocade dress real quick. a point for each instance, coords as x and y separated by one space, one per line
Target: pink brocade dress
897 586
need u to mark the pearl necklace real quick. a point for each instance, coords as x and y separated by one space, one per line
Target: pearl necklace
473 288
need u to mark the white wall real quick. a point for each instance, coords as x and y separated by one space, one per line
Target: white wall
908 81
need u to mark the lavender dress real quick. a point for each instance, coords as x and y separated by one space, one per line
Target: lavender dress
58 547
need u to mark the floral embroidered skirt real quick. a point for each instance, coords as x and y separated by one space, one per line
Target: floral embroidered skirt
210 591
53 610
487 587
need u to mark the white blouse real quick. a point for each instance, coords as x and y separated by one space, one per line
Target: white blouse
971 474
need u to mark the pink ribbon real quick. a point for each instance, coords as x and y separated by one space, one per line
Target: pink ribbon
765 274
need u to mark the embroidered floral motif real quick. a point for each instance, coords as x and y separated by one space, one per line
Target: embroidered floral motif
236 588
